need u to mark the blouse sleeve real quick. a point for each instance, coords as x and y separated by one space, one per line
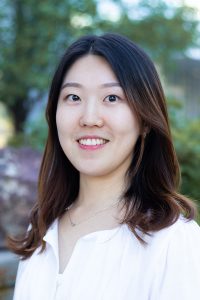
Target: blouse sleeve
178 275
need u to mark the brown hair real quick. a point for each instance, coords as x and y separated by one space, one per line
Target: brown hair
152 180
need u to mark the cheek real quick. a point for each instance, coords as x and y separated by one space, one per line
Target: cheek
59 118
62 130
126 124
64 120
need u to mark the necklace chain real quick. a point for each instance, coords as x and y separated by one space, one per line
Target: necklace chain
92 216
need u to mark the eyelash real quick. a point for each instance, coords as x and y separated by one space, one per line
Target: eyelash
78 98
112 95
71 95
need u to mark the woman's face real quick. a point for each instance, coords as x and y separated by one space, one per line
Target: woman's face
96 128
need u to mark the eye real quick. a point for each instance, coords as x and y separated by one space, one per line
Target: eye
72 97
112 98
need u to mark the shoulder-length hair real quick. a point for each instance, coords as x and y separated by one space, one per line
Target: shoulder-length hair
151 195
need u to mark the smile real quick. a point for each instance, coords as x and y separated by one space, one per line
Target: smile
92 142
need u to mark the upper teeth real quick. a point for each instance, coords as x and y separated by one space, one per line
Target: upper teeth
92 142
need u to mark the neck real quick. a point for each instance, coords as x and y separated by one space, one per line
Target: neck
99 192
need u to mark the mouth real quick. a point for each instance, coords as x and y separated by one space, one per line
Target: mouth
92 142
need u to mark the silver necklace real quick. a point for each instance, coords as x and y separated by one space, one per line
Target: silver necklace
92 216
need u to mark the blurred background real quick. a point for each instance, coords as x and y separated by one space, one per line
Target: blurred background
33 36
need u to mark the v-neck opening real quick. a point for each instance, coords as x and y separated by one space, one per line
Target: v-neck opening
99 236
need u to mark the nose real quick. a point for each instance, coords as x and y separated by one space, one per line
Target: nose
91 115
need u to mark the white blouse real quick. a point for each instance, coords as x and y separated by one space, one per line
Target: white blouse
114 265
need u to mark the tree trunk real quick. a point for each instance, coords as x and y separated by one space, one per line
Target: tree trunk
19 114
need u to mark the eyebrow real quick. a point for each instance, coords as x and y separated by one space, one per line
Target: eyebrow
78 85
71 84
110 84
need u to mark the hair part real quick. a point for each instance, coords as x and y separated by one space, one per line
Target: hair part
151 195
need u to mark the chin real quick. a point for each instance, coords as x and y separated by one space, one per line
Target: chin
95 172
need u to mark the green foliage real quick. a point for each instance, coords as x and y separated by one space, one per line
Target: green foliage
163 30
36 132
186 135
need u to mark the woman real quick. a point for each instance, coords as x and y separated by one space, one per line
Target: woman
109 222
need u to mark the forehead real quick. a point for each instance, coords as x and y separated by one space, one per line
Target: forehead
90 68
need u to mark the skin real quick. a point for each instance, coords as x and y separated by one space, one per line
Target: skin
85 107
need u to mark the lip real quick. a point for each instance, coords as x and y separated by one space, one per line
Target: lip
85 137
91 147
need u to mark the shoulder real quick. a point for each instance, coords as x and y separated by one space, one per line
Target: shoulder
177 267
184 243
183 225
183 231
50 238
171 249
